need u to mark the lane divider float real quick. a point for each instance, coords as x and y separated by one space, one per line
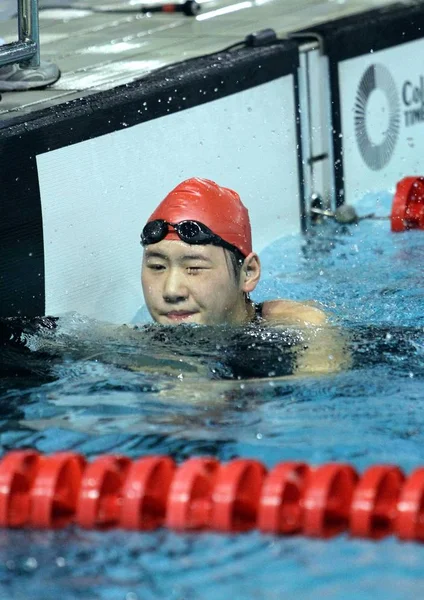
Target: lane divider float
54 491
408 204
407 208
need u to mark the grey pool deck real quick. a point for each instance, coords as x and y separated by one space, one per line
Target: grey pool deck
98 51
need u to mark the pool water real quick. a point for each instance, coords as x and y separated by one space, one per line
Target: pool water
77 392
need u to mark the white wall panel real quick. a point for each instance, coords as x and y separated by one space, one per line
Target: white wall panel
96 195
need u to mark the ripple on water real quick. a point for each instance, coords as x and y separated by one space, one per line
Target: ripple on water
82 395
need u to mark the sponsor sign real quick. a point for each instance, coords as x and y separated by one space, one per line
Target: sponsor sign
382 118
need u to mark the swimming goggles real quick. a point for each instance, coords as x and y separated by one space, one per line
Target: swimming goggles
190 232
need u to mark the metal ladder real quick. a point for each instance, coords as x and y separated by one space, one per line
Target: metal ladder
27 48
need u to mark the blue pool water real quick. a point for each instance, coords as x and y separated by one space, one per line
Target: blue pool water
372 282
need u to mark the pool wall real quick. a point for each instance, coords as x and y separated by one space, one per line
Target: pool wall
80 180
335 110
376 80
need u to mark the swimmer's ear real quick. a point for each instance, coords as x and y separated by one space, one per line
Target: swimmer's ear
250 272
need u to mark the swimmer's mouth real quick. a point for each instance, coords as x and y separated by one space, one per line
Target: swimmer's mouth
179 315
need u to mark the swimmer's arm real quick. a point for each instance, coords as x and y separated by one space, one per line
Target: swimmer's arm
325 349
291 313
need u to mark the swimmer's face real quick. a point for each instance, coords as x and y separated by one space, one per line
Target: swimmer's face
185 283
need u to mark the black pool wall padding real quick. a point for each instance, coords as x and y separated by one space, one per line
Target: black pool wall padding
372 30
188 84
358 35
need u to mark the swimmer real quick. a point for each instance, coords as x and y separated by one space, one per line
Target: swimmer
199 267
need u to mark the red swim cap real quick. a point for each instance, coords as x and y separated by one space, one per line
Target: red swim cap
217 207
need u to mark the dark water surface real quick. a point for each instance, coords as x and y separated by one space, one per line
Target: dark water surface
92 388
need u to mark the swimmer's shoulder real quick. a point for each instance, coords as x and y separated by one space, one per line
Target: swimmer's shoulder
291 312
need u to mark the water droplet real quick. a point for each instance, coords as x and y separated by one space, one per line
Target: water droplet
31 563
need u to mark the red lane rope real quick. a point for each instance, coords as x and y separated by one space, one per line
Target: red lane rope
203 494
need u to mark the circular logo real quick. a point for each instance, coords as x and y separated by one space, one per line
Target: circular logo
376 97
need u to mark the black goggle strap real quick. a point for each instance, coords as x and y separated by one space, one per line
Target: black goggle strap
156 231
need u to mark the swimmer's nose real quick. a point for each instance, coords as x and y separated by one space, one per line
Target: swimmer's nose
174 289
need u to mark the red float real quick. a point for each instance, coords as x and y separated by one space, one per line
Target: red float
145 492
17 473
280 508
409 521
408 204
190 494
327 500
374 503
55 490
236 495
99 500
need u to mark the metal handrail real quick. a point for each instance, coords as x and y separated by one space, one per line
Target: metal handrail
27 48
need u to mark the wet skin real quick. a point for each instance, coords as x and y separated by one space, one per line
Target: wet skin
185 283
